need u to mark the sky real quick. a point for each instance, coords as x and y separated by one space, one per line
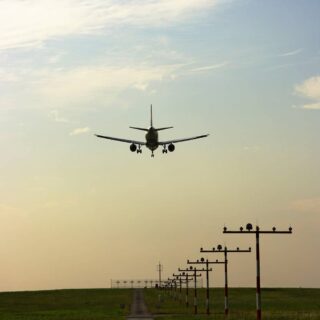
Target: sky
77 211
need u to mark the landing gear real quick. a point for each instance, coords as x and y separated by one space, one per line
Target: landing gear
164 150
152 155
139 149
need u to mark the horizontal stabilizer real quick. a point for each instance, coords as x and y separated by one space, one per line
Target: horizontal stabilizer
164 128
142 129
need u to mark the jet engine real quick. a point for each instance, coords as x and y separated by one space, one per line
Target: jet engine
171 147
133 147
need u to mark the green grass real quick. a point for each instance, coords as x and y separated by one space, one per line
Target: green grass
277 304
96 304
86 304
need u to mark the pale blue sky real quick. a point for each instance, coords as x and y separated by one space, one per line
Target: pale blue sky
247 72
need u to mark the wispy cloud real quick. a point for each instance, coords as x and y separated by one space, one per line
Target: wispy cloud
84 82
310 89
211 67
29 23
78 131
312 106
291 53
57 88
47 78
80 84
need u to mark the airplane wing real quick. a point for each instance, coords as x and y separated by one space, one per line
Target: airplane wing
122 140
182 140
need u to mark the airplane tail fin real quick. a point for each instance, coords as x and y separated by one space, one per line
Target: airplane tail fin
151 124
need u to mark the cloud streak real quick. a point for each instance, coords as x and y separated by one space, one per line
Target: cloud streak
30 23
80 84
56 88
291 53
210 67
78 131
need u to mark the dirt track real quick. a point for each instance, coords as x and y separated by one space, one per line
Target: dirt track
138 308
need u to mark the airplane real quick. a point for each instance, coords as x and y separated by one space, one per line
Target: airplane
152 141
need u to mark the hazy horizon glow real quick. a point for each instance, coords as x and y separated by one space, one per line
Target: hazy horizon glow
78 211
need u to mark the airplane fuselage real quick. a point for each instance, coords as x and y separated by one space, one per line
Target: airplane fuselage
152 139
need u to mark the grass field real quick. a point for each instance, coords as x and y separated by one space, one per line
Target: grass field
277 304
96 304
91 304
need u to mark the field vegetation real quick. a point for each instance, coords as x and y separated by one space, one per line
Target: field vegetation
107 304
86 304
277 304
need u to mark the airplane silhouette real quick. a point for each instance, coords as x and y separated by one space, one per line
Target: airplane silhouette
152 139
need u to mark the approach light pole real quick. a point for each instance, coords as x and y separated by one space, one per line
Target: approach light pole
178 277
225 251
159 269
169 285
195 275
175 289
257 232
184 278
188 278
172 281
207 263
